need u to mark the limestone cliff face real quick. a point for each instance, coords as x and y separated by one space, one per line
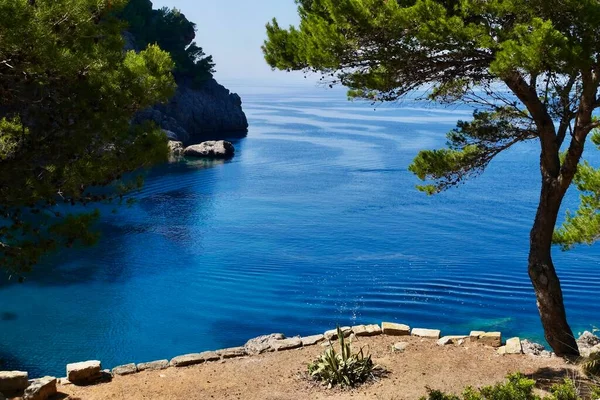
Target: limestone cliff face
196 114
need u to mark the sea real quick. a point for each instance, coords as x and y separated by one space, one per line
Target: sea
315 222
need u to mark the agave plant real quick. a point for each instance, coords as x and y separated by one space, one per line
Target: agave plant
591 366
343 368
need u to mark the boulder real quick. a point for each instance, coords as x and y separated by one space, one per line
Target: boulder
153 365
41 389
176 148
84 372
126 369
287 344
426 333
172 136
366 330
493 339
312 340
588 343
532 348
232 352
393 329
513 346
13 381
262 344
333 335
501 350
210 149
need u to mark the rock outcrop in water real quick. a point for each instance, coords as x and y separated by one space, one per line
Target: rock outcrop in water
211 149
198 114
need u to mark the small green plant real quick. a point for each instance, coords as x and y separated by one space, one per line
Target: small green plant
591 366
596 393
344 368
516 387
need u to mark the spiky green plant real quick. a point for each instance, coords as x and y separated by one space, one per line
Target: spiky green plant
591 366
344 368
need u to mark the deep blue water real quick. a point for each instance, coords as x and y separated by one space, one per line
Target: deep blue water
315 222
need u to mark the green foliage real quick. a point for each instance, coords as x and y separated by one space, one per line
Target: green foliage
591 366
171 30
583 225
68 95
343 368
516 387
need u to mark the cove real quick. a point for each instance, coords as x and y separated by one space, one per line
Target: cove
315 222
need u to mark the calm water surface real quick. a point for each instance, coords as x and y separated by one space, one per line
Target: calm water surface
315 222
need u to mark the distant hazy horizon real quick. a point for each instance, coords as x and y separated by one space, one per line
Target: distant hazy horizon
232 31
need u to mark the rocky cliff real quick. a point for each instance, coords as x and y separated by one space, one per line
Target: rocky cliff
194 115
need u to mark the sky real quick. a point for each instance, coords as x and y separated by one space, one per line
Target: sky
232 31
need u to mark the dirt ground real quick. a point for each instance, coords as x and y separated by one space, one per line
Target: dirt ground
282 375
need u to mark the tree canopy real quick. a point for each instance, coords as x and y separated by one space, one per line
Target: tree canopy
68 92
531 68
172 32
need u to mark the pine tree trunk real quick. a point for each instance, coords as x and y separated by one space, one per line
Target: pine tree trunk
543 275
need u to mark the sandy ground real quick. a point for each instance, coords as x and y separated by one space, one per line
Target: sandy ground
282 375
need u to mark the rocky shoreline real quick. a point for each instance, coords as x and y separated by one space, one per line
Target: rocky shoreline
90 372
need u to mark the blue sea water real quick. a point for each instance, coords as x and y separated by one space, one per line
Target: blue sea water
315 222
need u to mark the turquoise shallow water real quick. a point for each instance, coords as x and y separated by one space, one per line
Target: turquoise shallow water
315 222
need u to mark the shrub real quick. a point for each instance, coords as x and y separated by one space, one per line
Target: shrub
516 387
345 368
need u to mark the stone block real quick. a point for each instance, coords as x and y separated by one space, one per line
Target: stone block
153 365
41 389
262 344
84 372
366 330
513 346
426 333
446 340
493 339
312 340
210 356
232 352
332 333
126 369
187 359
287 344
393 329
13 381
474 335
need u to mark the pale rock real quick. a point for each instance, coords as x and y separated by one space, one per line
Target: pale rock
126 369
400 347
13 381
532 348
366 330
394 329
332 333
210 149
312 340
513 346
501 350
426 333
153 365
186 360
262 344
474 335
84 372
493 339
232 352
287 344
41 389
176 148
451 340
